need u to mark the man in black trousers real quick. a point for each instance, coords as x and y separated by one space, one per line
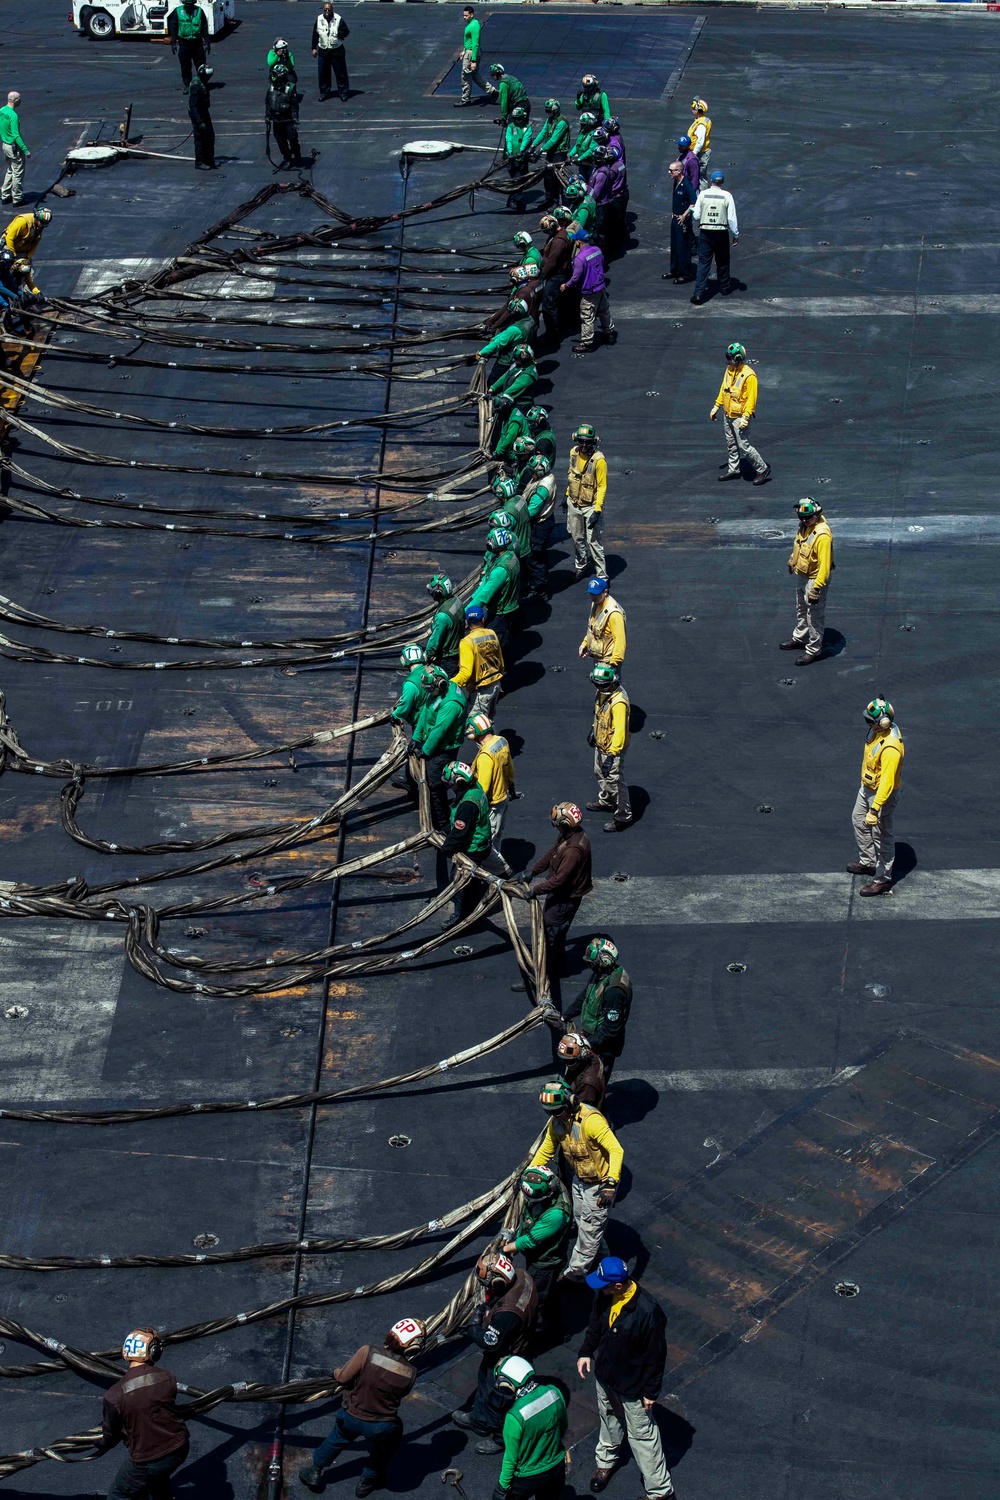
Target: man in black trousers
200 110
329 31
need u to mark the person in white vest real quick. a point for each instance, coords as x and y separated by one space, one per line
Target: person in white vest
329 32
714 216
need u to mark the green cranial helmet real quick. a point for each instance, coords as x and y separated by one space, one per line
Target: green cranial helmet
605 678
601 953
522 355
457 773
588 120
522 239
575 190
440 586
504 489
502 520
807 508
523 447
498 539
514 1374
585 433
497 70
518 307
412 656
539 1183
736 352
537 417
562 215
539 465
433 678
556 1096
553 107
880 711
519 114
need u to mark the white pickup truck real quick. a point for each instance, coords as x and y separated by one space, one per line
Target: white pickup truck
103 19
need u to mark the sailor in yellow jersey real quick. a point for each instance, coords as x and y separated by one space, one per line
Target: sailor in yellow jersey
494 770
605 638
700 133
586 487
738 400
881 769
810 564
610 739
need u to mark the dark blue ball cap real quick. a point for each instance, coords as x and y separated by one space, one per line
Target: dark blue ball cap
597 586
718 176
610 1270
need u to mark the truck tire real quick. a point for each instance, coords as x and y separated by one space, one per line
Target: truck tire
99 25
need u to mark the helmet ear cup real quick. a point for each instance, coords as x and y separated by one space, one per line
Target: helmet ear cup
885 722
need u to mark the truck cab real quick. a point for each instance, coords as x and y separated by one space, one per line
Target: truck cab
105 19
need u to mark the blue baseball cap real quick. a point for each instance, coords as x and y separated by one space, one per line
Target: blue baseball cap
610 1270
597 586
475 612
718 176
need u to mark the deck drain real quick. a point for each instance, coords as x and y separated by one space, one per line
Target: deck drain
196 932
205 1241
557 669
399 1141
764 807
463 951
16 1013
687 619
736 968
786 681
907 627
620 876
847 1289
290 1031
656 734
771 534
878 991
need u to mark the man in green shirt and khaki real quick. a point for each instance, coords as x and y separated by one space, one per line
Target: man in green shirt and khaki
470 60
15 151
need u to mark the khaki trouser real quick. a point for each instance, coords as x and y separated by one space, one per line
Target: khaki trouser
13 182
495 860
484 700
470 76
593 307
740 447
590 1220
643 1438
876 846
612 788
586 526
809 616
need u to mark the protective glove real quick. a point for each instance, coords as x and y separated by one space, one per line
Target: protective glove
591 741
813 594
173 48
418 752
606 1194
713 414
498 1493
743 423
871 818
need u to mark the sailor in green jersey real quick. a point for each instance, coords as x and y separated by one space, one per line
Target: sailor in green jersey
447 626
552 142
510 92
542 1235
530 255
469 832
512 515
582 153
541 431
470 60
540 497
499 585
534 1429
603 1006
520 378
593 97
513 424
522 453
583 206
503 344
411 694
437 735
